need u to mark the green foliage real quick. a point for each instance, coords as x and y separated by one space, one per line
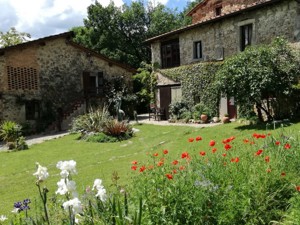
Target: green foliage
100 137
119 129
21 144
198 84
230 182
12 37
93 121
119 32
266 74
143 87
10 131
177 110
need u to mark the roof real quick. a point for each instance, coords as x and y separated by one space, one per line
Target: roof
68 36
196 7
213 19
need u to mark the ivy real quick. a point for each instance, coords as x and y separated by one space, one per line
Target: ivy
198 84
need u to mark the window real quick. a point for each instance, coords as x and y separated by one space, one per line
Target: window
197 50
22 78
32 110
170 55
246 36
218 10
93 83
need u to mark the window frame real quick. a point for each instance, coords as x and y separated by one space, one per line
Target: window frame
170 53
246 35
32 109
197 53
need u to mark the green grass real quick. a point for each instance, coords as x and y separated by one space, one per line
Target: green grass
99 160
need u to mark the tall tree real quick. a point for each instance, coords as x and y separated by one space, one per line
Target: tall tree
119 32
12 37
268 75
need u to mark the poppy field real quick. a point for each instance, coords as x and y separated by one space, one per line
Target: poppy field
252 180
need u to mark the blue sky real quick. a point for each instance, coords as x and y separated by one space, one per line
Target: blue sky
42 18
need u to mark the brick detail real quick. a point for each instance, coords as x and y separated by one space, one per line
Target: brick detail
22 78
206 10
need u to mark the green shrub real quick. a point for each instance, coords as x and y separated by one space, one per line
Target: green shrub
176 109
93 121
100 137
119 129
10 131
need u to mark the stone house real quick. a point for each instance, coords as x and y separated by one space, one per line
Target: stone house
53 78
220 29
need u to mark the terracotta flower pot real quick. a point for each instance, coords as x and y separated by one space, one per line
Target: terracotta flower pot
225 119
203 118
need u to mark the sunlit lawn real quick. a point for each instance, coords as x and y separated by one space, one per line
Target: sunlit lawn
95 160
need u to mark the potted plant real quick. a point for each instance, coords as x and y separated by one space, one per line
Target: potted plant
225 118
204 117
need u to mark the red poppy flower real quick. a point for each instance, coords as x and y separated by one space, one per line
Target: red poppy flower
255 135
134 162
277 143
212 143
224 154
169 176
262 136
185 155
202 153
133 167
236 159
181 167
232 138
283 174
198 138
160 163
150 167
287 146
155 154
226 141
298 188
166 151
259 152
267 159
175 162
214 150
174 171
246 140
227 147
142 169
191 139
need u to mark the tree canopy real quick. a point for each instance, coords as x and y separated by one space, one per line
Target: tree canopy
119 32
264 76
12 37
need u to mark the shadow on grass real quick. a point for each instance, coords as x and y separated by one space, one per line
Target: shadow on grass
274 125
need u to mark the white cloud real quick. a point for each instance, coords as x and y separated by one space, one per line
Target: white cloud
42 18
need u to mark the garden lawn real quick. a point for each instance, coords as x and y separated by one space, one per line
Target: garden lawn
100 160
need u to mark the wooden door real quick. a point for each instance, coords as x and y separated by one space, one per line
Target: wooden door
231 108
165 99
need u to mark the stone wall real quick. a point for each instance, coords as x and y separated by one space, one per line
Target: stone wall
207 9
221 39
59 66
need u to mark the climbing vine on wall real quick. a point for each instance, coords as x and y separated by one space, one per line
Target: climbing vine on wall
198 84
